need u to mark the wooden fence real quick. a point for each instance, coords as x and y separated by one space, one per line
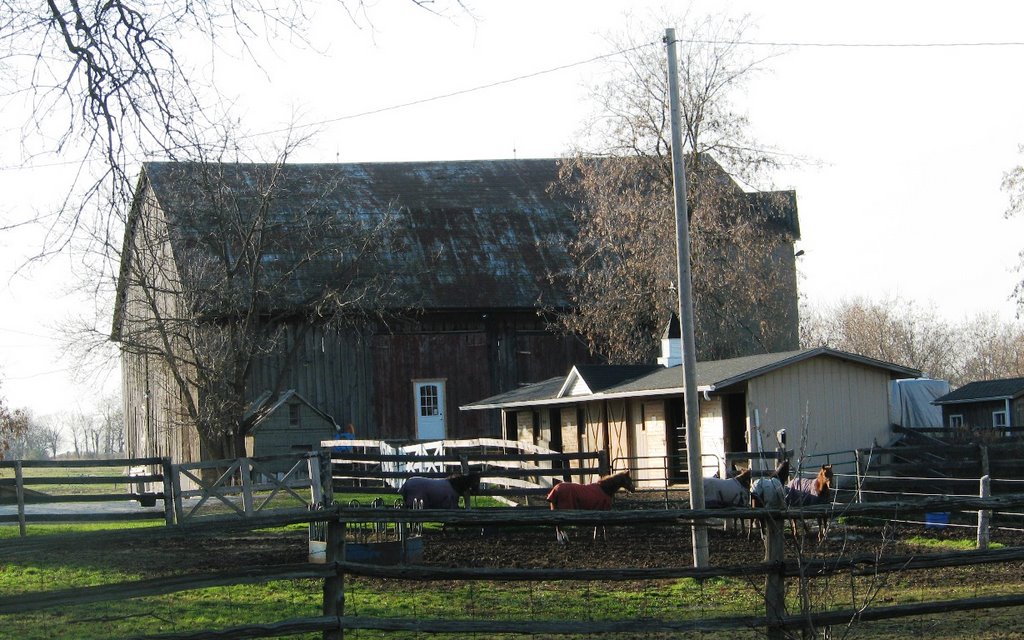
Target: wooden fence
509 469
135 488
246 486
776 570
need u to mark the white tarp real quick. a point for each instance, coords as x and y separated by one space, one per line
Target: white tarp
910 402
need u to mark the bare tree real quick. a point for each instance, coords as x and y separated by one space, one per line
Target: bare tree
232 267
111 412
1013 185
81 426
903 332
990 348
13 425
893 330
109 81
624 289
52 436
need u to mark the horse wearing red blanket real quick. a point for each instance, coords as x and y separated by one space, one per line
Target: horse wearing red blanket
596 496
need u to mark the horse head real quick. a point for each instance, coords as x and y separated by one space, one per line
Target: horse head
823 483
465 484
781 472
614 482
743 478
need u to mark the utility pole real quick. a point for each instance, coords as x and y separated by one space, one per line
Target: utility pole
694 471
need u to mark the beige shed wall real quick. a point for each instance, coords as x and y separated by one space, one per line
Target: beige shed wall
649 444
712 437
845 404
618 433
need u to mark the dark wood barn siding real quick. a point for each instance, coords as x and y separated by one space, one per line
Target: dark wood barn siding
977 414
460 359
540 356
331 369
477 355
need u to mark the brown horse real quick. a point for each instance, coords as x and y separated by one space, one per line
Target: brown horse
802 492
595 496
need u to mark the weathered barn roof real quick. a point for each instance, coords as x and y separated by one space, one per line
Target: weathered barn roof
652 380
468 235
984 390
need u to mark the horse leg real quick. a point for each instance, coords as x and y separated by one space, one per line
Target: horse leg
560 535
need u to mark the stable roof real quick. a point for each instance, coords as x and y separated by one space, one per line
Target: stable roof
984 390
630 381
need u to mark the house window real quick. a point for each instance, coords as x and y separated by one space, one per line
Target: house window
293 414
998 419
428 401
956 421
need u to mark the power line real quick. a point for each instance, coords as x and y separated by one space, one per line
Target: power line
867 45
461 92
37 375
570 65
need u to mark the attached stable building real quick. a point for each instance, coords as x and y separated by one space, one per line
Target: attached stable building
984 403
827 400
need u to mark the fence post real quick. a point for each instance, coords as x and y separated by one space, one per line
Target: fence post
858 458
603 466
334 586
245 469
165 464
316 488
984 459
984 514
19 491
179 507
775 581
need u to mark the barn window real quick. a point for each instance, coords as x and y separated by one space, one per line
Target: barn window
998 419
293 414
956 421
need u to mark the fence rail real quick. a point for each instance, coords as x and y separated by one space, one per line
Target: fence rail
336 619
509 469
251 480
25 496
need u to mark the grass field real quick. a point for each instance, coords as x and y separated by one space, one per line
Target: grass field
66 566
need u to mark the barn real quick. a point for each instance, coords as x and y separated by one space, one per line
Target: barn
453 305
995 404
828 400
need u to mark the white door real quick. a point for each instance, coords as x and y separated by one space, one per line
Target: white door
429 410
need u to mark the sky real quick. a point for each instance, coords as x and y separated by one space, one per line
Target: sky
905 146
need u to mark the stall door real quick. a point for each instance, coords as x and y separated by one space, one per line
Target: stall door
429 409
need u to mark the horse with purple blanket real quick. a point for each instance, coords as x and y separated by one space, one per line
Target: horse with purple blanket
805 492
439 493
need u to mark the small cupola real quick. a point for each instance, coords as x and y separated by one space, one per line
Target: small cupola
671 344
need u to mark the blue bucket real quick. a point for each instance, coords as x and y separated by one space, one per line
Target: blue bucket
938 520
